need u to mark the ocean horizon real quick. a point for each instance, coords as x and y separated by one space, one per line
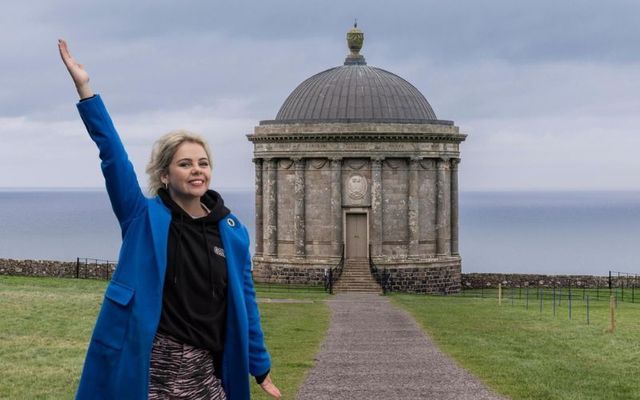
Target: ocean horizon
545 232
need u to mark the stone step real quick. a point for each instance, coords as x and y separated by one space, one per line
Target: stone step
356 279
348 269
367 278
371 289
357 288
356 284
359 291
356 273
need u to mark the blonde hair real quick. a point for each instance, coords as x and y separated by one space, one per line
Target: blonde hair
163 151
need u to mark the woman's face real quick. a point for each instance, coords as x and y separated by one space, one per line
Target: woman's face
189 172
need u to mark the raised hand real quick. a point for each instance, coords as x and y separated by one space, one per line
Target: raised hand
268 386
78 74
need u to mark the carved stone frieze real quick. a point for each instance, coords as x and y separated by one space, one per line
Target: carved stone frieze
357 186
285 164
318 163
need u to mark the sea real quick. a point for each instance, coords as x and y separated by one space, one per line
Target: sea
560 232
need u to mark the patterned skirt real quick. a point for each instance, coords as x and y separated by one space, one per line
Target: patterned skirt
181 371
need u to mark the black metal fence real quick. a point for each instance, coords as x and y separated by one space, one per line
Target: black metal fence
94 268
622 285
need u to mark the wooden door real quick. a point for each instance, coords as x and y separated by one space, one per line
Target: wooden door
357 238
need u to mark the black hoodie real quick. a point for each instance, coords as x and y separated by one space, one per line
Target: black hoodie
194 300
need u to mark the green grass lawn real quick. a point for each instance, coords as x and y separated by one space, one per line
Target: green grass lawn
527 354
45 325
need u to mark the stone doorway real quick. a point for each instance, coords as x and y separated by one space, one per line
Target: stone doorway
357 238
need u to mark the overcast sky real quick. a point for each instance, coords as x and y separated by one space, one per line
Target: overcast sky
548 91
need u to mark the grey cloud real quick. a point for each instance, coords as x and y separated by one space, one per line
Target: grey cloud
497 68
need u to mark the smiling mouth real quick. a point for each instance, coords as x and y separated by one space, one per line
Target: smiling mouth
197 182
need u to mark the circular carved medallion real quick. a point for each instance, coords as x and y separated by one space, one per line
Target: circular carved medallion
357 186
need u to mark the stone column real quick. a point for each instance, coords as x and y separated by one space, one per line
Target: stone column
443 207
259 229
298 208
271 207
376 206
413 214
454 206
336 206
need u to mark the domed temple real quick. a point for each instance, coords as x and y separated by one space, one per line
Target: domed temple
357 171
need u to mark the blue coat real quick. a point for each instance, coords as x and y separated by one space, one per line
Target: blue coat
117 361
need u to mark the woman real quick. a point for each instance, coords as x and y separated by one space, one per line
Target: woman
179 319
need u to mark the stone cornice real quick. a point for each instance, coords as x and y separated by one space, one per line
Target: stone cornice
355 127
357 137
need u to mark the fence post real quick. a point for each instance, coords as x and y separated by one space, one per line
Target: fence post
587 310
554 301
77 267
499 294
612 311
527 296
621 283
569 303
540 293
560 297
610 283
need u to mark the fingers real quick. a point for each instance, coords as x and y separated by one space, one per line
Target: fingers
78 74
64 53
270 388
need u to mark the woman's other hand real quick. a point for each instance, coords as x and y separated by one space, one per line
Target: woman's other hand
78 74
271 389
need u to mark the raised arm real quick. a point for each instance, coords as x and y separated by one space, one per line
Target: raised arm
122 185
78 74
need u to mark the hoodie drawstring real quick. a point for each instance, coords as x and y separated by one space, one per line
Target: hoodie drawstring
176 255
209 264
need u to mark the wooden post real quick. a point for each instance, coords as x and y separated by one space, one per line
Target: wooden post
612 309
499 294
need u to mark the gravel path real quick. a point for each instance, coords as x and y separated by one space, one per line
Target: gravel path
375 351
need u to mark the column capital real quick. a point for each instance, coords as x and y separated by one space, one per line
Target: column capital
299 162
443 163
455 162
377 158
257 160
335 158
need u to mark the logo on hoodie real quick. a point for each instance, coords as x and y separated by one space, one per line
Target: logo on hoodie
219 251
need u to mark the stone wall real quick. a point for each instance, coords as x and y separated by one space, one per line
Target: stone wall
289 273
480 280
436 279
58 269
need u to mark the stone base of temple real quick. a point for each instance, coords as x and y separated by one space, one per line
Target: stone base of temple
437 275
291 271
433 276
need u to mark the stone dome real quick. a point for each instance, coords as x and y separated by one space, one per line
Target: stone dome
356 92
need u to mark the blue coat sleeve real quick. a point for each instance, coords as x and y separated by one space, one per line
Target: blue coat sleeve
122 185
259 360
